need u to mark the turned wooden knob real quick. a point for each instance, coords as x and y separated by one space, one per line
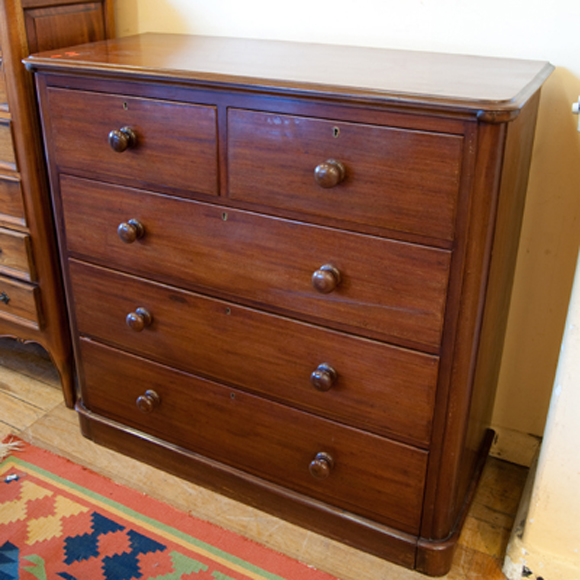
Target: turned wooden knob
330 173
324 377
326 279
148 402
321 466
139 319
122 139
131 231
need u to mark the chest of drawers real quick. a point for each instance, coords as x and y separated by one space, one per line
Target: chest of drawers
32 304
288 269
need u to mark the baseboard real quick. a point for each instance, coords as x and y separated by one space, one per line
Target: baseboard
515 446
524 560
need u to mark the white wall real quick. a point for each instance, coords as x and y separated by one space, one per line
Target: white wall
551 232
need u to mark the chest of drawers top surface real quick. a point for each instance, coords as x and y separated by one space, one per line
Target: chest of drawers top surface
459 81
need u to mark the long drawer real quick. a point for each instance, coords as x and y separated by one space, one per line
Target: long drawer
360 472
172 145
376 387
377 287
391 178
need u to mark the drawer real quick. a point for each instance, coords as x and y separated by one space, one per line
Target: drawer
175 144
3 96
388 290
368 384
371 475
7 155
397 179
15 255
11 205
21 300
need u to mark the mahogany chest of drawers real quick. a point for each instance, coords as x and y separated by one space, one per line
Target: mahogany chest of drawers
32 306
288 269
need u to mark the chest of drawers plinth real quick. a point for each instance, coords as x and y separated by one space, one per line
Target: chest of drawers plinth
288 269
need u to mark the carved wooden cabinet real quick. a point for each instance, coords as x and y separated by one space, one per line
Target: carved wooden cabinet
32 304
288 269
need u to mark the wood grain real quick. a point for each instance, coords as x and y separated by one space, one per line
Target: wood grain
372 476
212 248
380 388
25 204
395 179
176 142
455 83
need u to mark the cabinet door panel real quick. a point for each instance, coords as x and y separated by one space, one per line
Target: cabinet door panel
57 26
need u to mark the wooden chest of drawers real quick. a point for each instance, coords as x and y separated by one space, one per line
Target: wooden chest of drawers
288 269
32 306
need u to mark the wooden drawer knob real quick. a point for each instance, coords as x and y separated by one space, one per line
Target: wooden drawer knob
326 279
139 319
148 402
321 466
324 377
122 139
131 231
330 173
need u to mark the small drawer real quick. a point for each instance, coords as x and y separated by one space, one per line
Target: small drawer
397 179
364 383
16 255
20 300
166 144
11 204
7 154
362 473
370 285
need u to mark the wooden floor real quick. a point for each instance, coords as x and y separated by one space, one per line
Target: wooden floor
31 406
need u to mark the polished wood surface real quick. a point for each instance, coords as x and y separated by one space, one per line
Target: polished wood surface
397 179
19 302
11 202
162 132
307 322
372 476
183 241
16 255
453 82
380 388
30 274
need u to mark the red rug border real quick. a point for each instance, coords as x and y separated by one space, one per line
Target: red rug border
268 559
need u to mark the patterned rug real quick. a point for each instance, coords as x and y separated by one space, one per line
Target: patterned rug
59 520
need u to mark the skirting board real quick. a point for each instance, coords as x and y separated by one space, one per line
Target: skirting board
515 446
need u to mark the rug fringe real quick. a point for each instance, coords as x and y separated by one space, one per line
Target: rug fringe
8 447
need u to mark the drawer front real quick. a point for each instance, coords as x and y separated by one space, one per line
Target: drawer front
7 155
21 300
377 387
393 178
175 144
388 290
15 254
3 96
372 476
11 205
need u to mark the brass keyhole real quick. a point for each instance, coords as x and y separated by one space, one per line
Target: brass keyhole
335 132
